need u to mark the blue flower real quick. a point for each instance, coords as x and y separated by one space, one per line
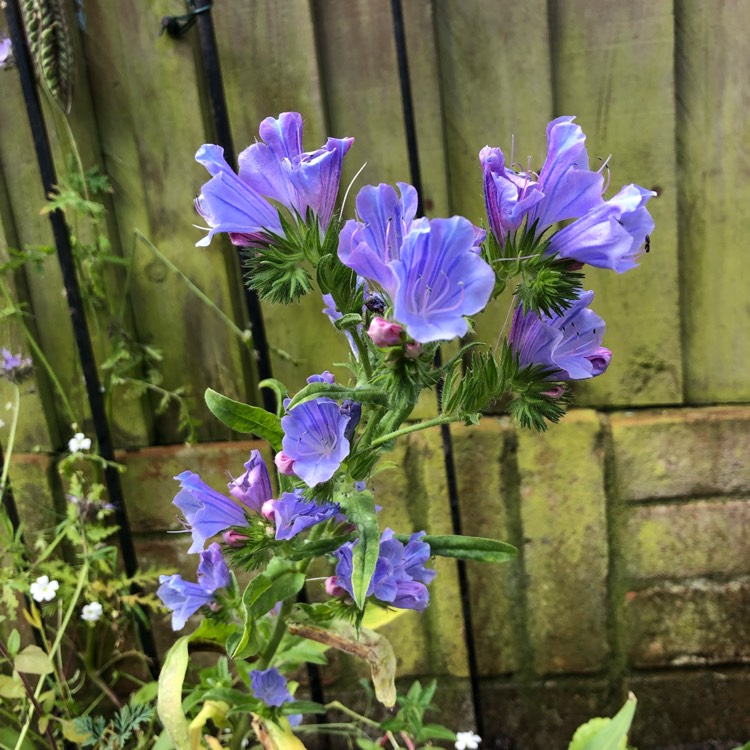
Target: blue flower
568 345
609 236
441 279
229 204
14 367
564 189
206 511
274 170
292 514
400 578
6 53
297 179
185 597
314 438
253 487
270 686
430 270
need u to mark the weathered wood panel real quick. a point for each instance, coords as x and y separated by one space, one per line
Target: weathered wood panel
713 140
612 66
269 65
148 109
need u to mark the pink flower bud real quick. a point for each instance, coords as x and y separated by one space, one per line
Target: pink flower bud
333 588
234 538
267 510
384 332
413 350
284 464
555 392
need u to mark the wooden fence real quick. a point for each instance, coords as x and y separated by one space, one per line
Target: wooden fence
663 85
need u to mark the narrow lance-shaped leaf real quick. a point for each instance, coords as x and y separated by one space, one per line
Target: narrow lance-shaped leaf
360 510
468 547
169 702
245 418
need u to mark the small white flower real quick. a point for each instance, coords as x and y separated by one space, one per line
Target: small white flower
92 612
2 423
9 406
467 741
44 590
79 442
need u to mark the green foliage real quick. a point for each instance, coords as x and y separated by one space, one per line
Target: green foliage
467 547
360 510
244 418
410 717
118 733
606 734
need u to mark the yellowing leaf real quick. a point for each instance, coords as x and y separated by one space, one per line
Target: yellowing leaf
169 702
11 687
274 736
33 660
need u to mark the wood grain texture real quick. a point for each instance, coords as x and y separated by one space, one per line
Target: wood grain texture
148 108
713 100
612 65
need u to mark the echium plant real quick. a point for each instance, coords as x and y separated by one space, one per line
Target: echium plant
397 285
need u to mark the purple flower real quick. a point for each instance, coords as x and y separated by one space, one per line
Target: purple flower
324 377
269 685
299 180
314 438
569 345
440 280
253 488
276 170
610 235
564 189
185 597
14 367
229 204
6 53
431 270
400 577
333 314
292 514
206 511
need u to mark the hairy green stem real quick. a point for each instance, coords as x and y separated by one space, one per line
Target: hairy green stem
364 355
445 419
278 633
349 712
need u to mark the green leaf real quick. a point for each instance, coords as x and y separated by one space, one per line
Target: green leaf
337 392
169 702
145 694
33 660
437 732
10 687
245 418
280 581
606 734
14 642
9 739
360 510
467 547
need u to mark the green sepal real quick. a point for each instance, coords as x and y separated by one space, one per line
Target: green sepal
366 395
467 547
348 321
360 510
245 418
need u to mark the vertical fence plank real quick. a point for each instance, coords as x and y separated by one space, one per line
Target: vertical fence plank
613 68
713 140
495 74
146 101
270 66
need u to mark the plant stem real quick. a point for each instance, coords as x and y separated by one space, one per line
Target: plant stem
278 633
349 712
32 697
364 355
38 356
244 335
11 439
436 421
82 578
